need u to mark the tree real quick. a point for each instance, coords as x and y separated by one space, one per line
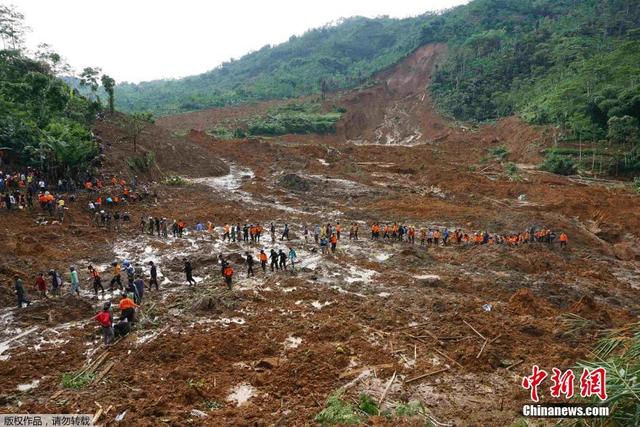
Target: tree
108 84
135 124
54 62
89 78
622 129
12 27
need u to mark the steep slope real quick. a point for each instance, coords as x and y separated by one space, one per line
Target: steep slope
333 56
172 154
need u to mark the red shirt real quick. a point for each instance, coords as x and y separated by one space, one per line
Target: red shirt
41 284
104 319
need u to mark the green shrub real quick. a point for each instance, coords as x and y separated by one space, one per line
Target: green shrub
142 164
499 153
559 164
337 411
636 183
76 381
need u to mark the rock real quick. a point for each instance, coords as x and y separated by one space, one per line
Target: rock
198 413
427 279
625 251
267 363
294 182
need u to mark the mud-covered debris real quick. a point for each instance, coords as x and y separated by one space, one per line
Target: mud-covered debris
294 182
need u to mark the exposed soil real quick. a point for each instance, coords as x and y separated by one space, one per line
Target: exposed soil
275 347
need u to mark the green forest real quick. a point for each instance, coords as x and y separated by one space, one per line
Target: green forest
327 58
569 63
44 123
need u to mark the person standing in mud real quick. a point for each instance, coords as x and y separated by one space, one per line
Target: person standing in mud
97 282
285 232
293 256
305 232
105 319
263 260
226 233
139 284
153 273
127 309
188 271
157 224
227 273
56 282
274 260
143 225
21 294
75 281
272 229
249 260
116 276
174 228
283 260
245 233
334 241
41 285
234 232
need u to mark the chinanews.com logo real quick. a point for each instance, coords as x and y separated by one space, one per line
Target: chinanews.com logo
592 382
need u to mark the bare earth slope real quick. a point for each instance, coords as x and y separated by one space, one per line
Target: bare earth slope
271 351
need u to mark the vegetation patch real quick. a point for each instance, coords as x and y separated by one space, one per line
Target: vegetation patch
76 380
176 180
294 119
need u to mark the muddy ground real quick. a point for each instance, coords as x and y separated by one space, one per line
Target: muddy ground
272 350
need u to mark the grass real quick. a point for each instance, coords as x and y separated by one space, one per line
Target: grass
76 381
338 411
619 353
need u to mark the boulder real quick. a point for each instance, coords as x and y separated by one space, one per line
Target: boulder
294 182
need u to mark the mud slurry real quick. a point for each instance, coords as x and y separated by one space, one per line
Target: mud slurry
272 350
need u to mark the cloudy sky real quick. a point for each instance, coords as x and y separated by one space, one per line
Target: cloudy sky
137 40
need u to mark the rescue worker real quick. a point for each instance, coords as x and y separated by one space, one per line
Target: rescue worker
227 272
153 273
105 319
188 270
263 260
127 308
41 285
95 278
75 281
274 260
249 264
115 279
21 293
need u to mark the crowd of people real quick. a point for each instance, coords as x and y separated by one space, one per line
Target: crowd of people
28 189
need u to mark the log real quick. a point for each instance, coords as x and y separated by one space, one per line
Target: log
445 355
353 372
474 330
386 389
428 374
104 372
97 416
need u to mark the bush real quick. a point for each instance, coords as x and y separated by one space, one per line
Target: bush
559 164
636 183
500 153
142 164
76 381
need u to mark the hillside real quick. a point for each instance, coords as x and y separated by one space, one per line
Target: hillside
411 328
